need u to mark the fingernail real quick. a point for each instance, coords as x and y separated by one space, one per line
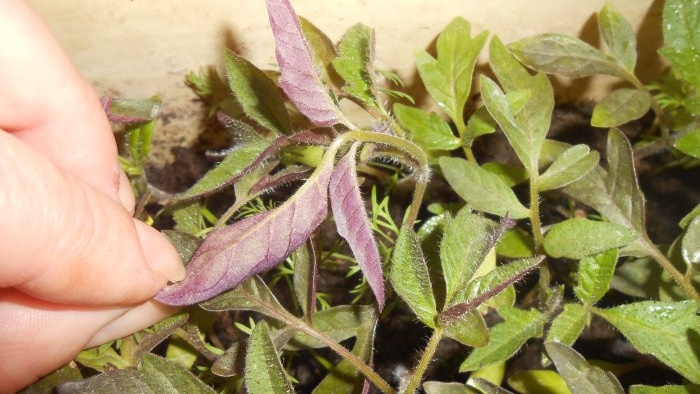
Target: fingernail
160 254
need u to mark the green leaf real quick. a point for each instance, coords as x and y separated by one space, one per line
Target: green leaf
621 106
480 188
538 382
448 78
621 181
574 163
304 279
185 243
594 276
493 373
48 384
251 295
480 123
639 278
264 373
690 244
681 28
121 381
155 375
615 194
567 56
139 143
102 358
510 175
670 331
618 36
551 150
257 94
578 238
516 243
487 387
410 277
345 378
465 243
580 376
689 143
568 325
146 340
669 389
231 363
524 121
339 323
427 130
435 387
485 289
355 64
506 337
188 218
469 329
497 279
235 165
166 376
180 351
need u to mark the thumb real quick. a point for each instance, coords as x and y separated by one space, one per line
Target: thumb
64 241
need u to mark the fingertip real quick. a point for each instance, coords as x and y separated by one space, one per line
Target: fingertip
159 253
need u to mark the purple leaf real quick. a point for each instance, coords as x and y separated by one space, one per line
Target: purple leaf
130 111
234 253
299 78
353 224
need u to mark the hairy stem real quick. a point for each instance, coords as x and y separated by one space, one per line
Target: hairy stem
358 363
545 275
461 131
425 360
682 280
411 149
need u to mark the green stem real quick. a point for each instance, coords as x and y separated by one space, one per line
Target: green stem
425 360
411 149
358 363
658 111
545 275
683 281
223 219
461 131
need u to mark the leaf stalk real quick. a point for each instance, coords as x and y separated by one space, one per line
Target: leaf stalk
425 360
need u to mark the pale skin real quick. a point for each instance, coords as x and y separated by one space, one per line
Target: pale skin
76 270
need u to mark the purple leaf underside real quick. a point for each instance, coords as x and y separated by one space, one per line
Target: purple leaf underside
139 111
236 252
299 78
353 224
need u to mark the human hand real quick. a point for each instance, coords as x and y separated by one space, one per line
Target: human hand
75 267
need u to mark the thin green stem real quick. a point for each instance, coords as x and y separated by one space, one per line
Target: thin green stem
230 212
658 111
425 360
545 275
461 131
358 363
411 149
683 281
